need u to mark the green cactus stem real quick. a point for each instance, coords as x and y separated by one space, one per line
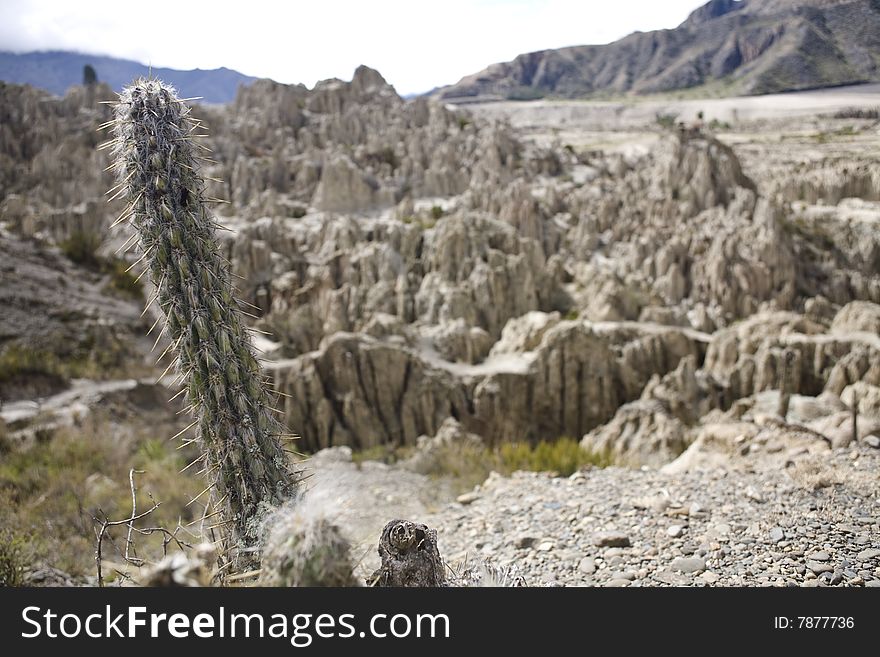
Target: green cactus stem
157 166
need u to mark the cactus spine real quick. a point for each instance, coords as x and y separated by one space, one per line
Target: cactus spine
157 168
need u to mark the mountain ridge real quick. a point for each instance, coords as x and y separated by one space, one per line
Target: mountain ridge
57 70
735 46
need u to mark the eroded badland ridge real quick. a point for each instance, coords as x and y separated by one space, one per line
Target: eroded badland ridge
698 299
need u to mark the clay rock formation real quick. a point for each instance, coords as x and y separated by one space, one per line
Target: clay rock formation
464 277
701 172
344 188
749 357
451 437
457 342
469 307
579 376
657 427
745 368
347 146
525 333
857 316
414 263
60 320
49 156
728 445
640 433
360 391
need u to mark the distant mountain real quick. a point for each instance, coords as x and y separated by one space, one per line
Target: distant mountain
57 70
728 46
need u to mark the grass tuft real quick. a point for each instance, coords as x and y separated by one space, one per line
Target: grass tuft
469 464
82 248
51 490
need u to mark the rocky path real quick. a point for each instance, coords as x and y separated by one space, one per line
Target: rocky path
814 523
62 407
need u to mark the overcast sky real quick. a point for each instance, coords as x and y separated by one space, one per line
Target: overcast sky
415 44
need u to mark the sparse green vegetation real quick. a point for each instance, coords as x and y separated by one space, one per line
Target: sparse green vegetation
437 212
469 465
383 453
666 121
51 490
81 247
827 135
5 442
385 155
858 113
17 363
36 370
813 232
719 126
13 558
525 93
123 281
564 456
423 222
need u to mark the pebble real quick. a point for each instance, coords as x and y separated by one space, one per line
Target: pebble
626 574
818 567
754 494
525 541
611 539
709 577
675 531
468 498
688 564
673 579
603 527
587 565
872 441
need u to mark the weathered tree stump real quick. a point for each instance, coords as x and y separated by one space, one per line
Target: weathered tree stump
410 557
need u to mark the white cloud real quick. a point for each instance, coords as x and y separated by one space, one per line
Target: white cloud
415 44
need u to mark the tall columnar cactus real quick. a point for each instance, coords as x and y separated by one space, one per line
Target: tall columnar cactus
157 166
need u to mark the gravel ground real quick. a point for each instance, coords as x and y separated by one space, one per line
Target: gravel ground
815 523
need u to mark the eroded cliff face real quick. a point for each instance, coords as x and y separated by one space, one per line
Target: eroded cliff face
415 263
731 47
